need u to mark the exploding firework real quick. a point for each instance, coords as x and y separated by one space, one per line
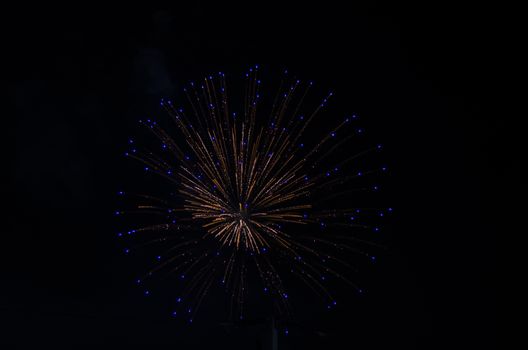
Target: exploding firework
250 194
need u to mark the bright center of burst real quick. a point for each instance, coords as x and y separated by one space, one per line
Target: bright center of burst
241 227
243 213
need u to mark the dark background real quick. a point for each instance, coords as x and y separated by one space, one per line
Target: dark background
80 78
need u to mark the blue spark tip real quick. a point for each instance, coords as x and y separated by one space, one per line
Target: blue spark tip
147 292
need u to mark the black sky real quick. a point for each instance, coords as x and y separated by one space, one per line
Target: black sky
80 78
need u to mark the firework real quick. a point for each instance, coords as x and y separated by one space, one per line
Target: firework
251 194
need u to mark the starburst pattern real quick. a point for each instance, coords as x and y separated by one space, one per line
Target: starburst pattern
250 192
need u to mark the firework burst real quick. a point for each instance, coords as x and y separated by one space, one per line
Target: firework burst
250 195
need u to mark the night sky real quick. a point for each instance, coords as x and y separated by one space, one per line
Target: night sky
80 78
